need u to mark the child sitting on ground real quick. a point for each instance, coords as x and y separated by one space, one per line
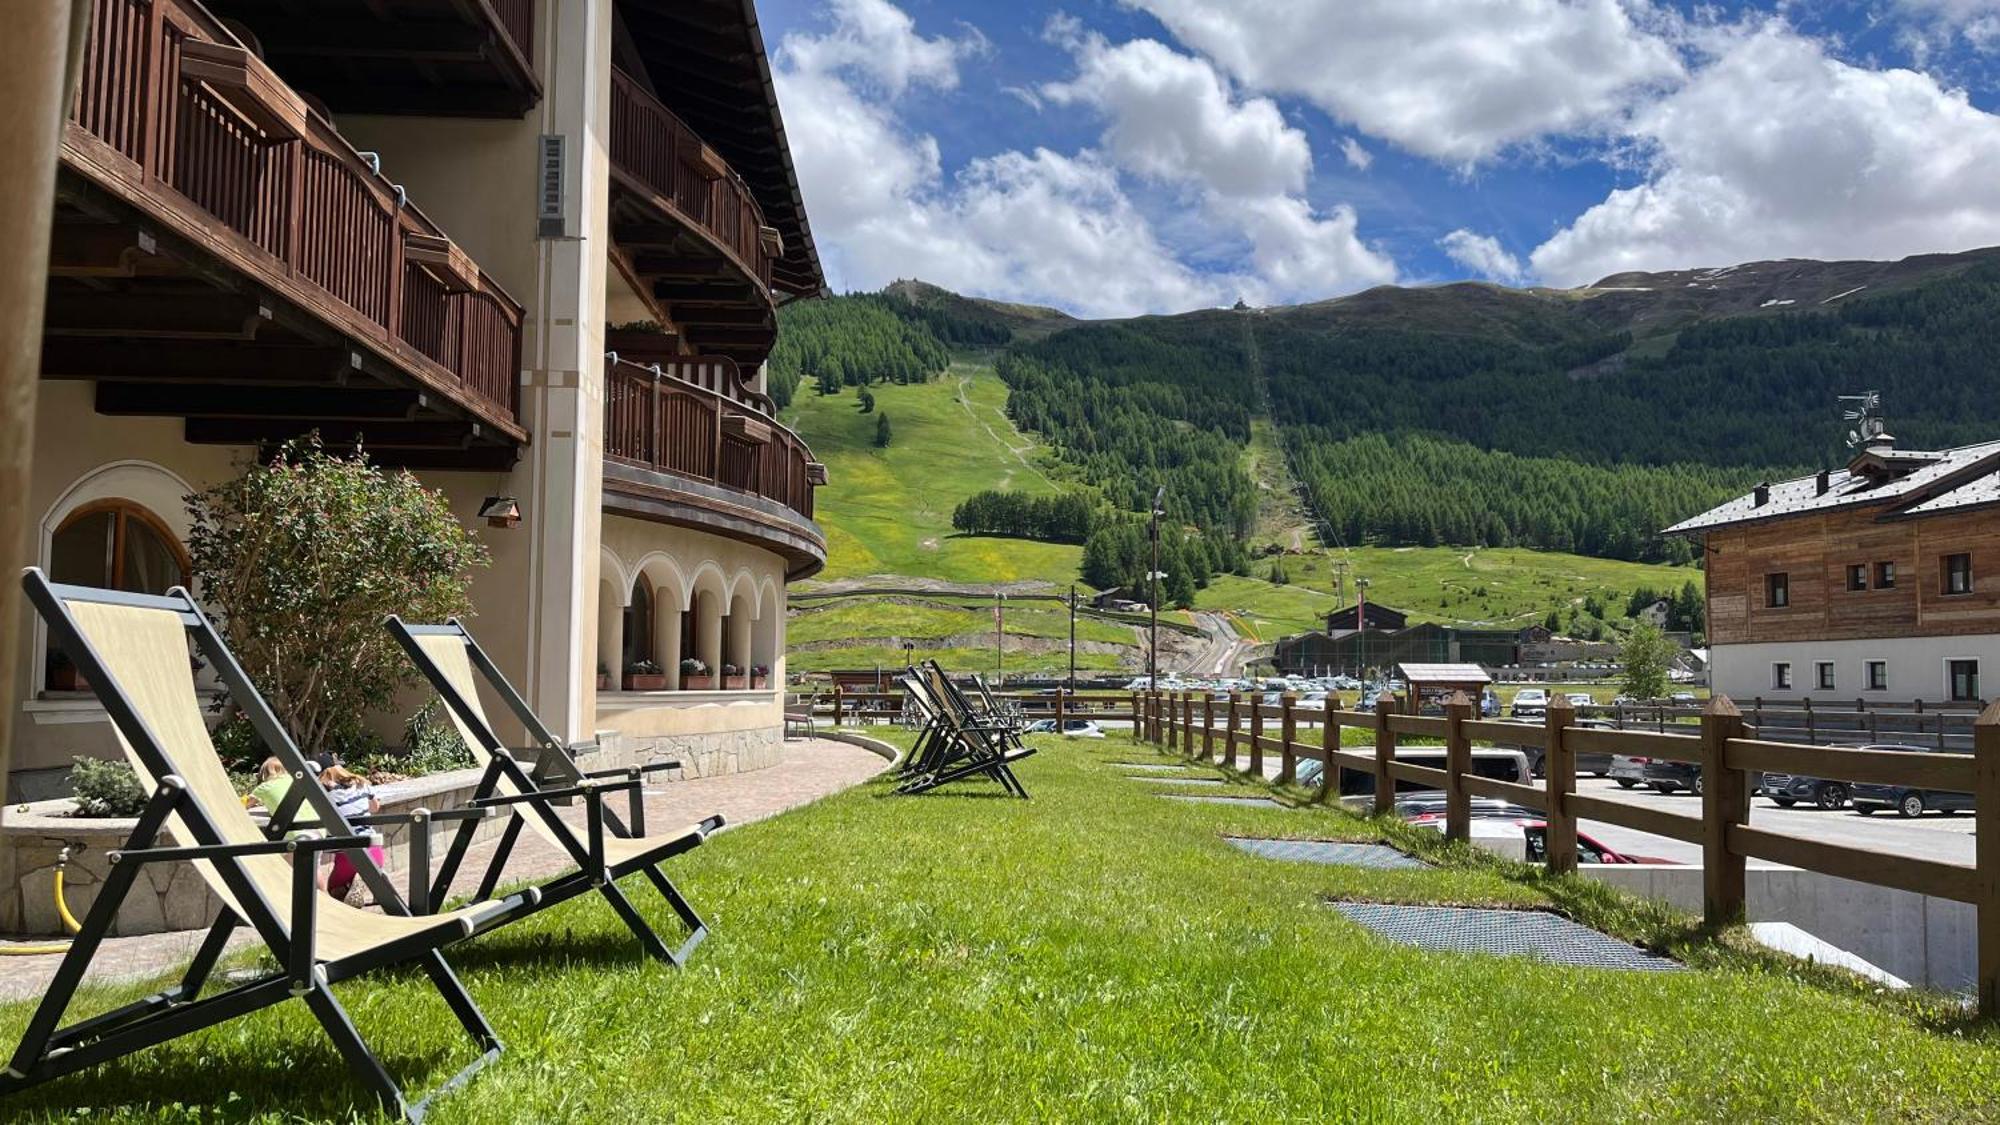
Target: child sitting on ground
352 797
274 781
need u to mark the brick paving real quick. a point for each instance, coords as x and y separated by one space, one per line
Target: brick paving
807 771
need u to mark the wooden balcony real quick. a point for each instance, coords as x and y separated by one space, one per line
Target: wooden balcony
222 255
681 446
470 58
686 231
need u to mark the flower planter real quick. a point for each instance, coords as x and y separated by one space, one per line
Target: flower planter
703 682
760 682
734 683
65 677
604 681
641 682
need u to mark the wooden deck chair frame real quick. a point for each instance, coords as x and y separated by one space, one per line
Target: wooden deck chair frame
967 747
289 930
506 779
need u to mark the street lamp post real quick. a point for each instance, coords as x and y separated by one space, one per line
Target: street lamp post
1153 644
1072 636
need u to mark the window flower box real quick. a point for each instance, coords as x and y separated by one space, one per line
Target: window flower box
645 676
695 676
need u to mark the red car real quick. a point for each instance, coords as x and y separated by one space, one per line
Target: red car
1587 849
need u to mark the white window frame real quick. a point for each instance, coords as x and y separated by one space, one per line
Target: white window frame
1946 669
1823 675
1781 675
1867 680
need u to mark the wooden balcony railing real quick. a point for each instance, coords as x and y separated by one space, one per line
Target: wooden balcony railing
657 150
670 418
172 111
518 17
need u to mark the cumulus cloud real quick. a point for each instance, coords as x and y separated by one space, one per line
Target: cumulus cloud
1358 157
1454 80
1774 149
1977 21
1482 254
1046 226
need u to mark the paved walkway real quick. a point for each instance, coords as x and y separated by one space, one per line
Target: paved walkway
809 770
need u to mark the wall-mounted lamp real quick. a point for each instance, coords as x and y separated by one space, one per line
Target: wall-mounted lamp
501 511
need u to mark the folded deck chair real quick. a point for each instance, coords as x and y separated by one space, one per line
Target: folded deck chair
961 745
610 849
133 651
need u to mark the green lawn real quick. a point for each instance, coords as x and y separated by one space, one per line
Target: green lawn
1095 954
958 659
1496 586
861 618
888 511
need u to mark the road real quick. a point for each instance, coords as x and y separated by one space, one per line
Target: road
1221 651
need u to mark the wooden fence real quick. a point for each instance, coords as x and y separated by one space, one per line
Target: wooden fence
1190 723
842 705
673 417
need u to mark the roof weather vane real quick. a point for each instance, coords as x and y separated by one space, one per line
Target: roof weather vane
1865 411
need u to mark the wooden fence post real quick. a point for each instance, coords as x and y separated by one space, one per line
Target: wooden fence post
1559 769
1229 741
1138 728
1207 725
1061 711
1329 743
836 705
1288 732
1257 734
1385 752
1986 853
1725 800
1457 763
1187 724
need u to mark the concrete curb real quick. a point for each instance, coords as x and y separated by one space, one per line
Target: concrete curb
873 745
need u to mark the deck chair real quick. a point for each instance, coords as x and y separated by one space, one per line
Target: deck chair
133 651
961 746
610 849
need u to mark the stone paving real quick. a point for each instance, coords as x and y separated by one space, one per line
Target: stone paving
806 771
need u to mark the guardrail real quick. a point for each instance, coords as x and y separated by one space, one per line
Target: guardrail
1944 725
175 113
1723 748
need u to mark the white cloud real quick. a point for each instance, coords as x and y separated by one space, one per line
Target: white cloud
1482 254
1358 158
1173 119
1776 150
1045 226
1455 80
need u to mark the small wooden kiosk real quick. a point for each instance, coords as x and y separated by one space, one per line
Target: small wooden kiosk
1432 684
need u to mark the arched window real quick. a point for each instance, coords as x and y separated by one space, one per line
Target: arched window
639 625
116 545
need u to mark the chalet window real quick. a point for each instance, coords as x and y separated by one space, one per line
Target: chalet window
1781 677
1777 590
1823 675
1962 679
1885 576
1878 675
1857 576
114 545
1958 574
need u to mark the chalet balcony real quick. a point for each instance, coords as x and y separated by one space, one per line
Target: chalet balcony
222 255
686 231
685 444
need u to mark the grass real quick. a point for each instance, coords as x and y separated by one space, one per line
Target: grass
888 511
863 618
1472 586
1096 953
959 659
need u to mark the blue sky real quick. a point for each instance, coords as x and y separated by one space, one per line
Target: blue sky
1113 157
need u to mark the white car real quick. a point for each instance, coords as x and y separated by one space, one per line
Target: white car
1531 703
1080 728
1581 699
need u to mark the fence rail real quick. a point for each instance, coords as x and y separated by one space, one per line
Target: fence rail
675 417
1197 726
173 113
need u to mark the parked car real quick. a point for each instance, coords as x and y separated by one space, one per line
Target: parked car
1588 850
1682 699
1081 728
1531 703
1628 770
1426 809
1907 801
1788 789
1040 726
1665 775
1580 700
1497 763
1591 763
1489 704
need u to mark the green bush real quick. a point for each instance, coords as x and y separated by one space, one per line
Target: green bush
105 788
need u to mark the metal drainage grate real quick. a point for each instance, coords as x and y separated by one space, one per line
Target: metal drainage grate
1326 851
1178 780
1244 802
1512 933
